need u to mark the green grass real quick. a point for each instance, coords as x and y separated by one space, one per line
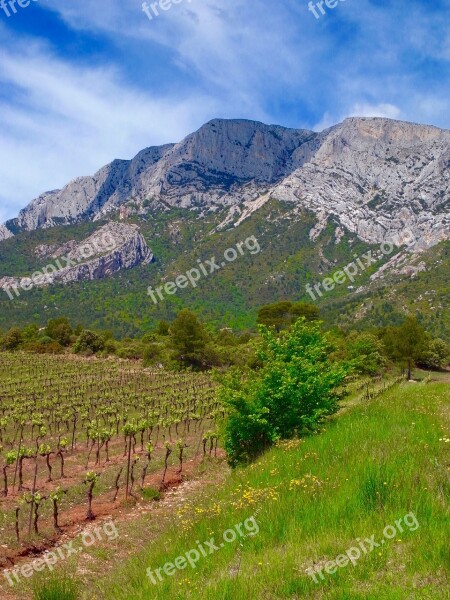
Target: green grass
374 464
56 587
150 493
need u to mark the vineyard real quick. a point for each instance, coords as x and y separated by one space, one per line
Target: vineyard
78 436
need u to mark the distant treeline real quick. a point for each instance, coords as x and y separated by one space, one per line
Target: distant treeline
187 342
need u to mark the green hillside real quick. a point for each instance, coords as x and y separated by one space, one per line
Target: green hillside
378 469
287 262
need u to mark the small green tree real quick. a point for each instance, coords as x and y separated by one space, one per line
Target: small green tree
367 353
152 353
60 330
12 339
436 355
292 392
163 328
407 342
89 341
188 339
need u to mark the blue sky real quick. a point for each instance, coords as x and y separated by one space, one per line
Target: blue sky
85 81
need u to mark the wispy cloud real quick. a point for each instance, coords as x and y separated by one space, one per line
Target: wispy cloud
68 120
102 81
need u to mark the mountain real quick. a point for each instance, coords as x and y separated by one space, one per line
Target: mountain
376 176
321 198
212 166
109 249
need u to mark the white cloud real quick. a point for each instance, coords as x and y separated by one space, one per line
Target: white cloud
261 60
385 110
68 121
63 120
363 109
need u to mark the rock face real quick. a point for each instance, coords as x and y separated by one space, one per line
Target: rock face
4 233
88 198
112 248
377 178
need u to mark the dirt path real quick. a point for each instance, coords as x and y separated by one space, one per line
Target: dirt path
125 515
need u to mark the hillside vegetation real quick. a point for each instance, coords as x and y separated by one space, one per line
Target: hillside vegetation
377 463
287 262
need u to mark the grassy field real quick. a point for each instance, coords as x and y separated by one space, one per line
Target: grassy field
375 479
315 499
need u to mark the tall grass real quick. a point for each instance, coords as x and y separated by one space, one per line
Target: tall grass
56 587
374 464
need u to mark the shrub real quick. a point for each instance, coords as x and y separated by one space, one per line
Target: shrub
44 348
89 341
110 347
151 493
148 338
292 392
163 328
367 353
151 353
436 356
12 339
59 330
130 351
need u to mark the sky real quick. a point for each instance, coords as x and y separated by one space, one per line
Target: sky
83 82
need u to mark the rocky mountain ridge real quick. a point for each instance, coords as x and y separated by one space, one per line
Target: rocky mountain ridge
110 249
377 178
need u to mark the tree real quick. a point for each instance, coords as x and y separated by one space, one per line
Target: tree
60 330
367 353
282 314
89 341
163 328
406 342
30 332
151 353
188 339
292 392
436 355
12 339
304 309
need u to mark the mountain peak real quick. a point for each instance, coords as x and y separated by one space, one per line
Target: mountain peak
374 175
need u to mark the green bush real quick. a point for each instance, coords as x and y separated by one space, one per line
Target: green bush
436 356
60 330
152 352
292 392
45 339
130 351
367 353
12 339
110 347
89 342
51 347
